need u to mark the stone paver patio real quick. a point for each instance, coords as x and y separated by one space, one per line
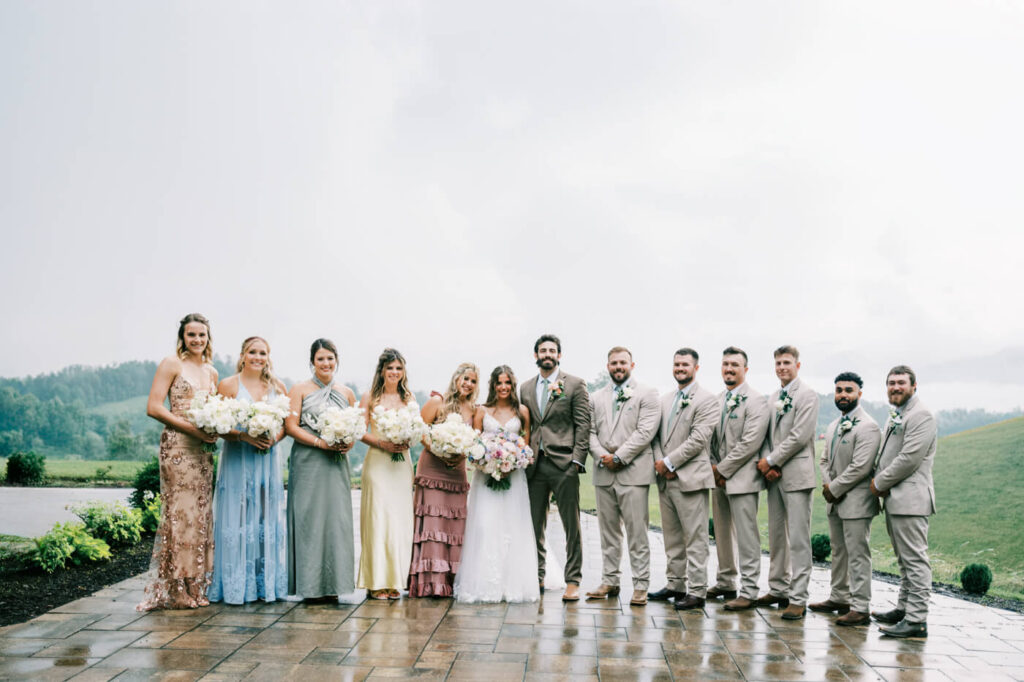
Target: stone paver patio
101 637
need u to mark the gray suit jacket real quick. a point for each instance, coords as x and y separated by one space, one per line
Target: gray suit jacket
904 466
563 431
686 441
628 431
846 465
739 440
791 437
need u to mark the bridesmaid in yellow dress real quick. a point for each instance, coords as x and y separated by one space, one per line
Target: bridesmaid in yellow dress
386 514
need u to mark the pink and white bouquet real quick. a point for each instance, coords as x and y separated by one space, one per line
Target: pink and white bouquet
266 417
454 439
214 413
401 426
340 424
503 454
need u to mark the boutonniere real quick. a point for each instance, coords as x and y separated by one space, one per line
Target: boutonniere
895 419
556 389
846 425
684 402
734 401
784 404
624 394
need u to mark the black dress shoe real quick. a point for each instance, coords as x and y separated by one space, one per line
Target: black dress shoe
715 593
905 628
664 594
889 617
689 602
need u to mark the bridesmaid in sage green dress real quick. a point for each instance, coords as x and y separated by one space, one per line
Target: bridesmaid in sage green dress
321 549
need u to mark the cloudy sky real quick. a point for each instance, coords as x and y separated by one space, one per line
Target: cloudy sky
455 178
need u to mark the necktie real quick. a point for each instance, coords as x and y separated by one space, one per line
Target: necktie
544 395
725 410
675 409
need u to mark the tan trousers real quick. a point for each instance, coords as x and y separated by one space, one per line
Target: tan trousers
851 561
789 543
621 505
909 536
736 534
684 521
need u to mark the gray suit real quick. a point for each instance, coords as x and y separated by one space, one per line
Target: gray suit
559 436
738 442
791 437
684 441
904 469
624 429
846 467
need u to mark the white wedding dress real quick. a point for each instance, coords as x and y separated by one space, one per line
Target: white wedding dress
499 552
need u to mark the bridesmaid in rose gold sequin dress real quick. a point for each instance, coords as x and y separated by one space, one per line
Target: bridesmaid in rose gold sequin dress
183 550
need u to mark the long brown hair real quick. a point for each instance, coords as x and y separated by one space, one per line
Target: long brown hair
387 356
267 375
492 396
452 397
182 350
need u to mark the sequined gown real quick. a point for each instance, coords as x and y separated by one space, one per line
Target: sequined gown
321 547
440 507
183 549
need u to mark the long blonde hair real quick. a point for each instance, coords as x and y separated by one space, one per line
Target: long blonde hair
267 375
387 356
182 350
452 398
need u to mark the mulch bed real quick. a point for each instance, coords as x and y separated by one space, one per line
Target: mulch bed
27 593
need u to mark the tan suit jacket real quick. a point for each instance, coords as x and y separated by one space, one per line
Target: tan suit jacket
628 431
563 431
739 441
685 442
904 466
846 465
791 436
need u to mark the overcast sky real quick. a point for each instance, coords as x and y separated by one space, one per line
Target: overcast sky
455 178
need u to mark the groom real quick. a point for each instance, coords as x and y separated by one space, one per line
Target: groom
559 435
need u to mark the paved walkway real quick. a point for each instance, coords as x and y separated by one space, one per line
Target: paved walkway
101 637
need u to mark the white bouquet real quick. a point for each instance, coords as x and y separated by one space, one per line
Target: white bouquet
214 413
266 417
453 439
401 426
340 424
503 454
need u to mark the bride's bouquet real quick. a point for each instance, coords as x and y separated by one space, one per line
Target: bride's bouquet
339 425
266 417
401 426
453 439
214 413
503 454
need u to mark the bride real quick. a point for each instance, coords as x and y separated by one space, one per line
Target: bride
499 553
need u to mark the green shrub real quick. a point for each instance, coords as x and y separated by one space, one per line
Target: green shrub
821 546
115 524
68 541
26 468
150 513
146 481
976 578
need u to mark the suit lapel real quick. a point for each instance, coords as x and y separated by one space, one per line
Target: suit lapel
691 396
529 398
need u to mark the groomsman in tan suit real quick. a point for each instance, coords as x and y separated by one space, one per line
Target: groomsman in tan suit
560 437
683 464
624 418
737 444
903 479
789 471
851 444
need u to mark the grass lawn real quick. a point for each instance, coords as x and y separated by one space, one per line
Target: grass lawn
84 470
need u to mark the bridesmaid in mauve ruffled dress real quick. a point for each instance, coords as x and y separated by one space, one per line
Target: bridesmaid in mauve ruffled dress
183 549
440 498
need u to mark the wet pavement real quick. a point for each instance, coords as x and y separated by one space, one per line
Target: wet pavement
101 637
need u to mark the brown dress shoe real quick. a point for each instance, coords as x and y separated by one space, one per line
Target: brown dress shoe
715 593
603 591
829 606
793 612
689 602
639 598
768 599
572 593
853 618
740 604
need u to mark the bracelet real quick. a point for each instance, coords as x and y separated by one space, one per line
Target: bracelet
316 443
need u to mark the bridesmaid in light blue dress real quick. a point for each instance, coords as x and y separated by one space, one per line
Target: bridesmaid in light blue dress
250 541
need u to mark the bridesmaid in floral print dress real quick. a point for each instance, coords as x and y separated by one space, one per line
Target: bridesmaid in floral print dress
183 550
